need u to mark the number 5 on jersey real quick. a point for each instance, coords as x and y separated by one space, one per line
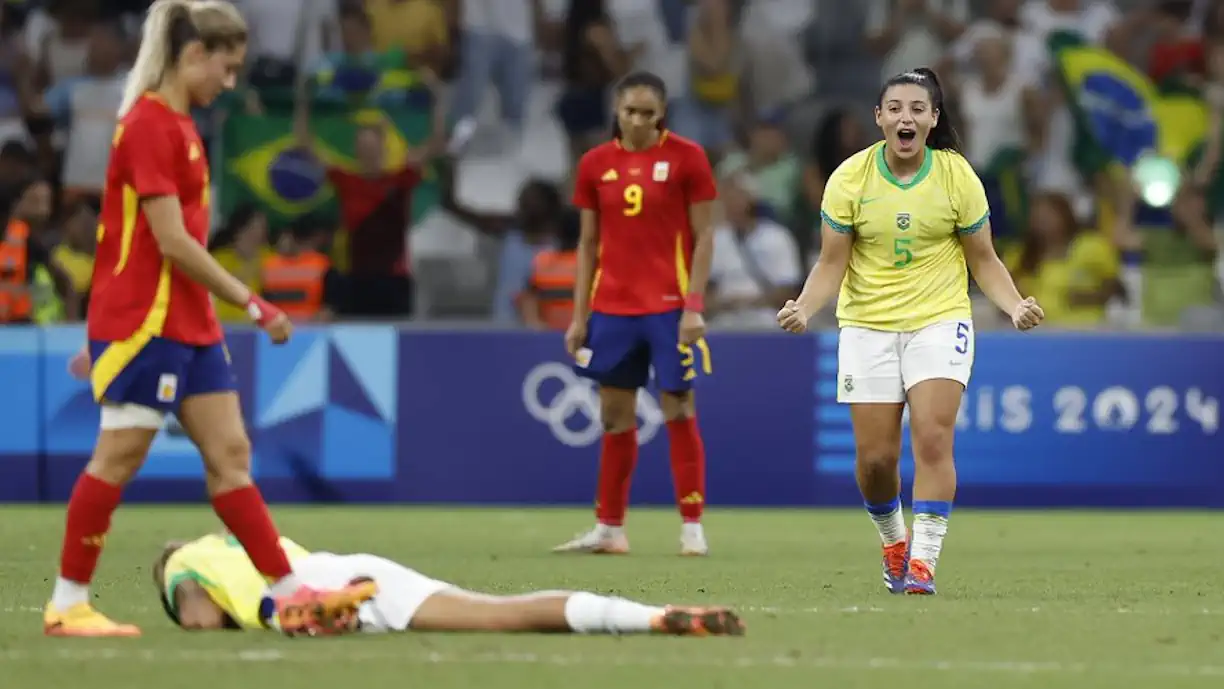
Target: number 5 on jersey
633 200
902 251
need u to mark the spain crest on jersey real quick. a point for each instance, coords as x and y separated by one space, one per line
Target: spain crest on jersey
903 221
661 169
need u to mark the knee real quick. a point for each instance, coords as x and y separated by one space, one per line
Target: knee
618 410
677 405
876 457
932 442
119 455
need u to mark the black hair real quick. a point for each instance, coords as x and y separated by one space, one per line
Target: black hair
547 192
631 80
943 136
570 231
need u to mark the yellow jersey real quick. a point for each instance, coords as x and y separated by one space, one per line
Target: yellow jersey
248 271
1090 264
218 563
907 268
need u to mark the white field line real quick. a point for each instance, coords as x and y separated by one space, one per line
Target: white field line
348 655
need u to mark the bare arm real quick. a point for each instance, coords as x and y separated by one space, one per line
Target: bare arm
989 271
700 215
825 279
588 253
166 220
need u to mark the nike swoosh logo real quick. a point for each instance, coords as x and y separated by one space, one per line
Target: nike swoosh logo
864 202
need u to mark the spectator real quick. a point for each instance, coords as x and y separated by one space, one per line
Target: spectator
993 104
14 67
591 62
241 248
1029 53
17 167
358 72
418 27
772 70
75 252
756 262
547 300
285 37
1177 57
59 40
497 48
376 208
85 107
33 288
299 278
769 164
838 136
1072 274
538 224
714 56
833 44
912 33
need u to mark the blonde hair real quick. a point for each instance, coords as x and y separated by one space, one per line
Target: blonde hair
168 28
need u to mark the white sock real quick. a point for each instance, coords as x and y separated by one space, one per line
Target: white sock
587 613
891 524
285 586
69 593
692 531
609 531
929 532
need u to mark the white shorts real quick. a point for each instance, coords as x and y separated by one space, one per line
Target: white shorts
401 590
878 366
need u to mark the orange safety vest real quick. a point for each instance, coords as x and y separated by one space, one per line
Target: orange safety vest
553 274
295 283
15 301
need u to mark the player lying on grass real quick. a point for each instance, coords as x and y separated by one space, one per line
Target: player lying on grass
210 583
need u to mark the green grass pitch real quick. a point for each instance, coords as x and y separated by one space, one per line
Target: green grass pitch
1044 599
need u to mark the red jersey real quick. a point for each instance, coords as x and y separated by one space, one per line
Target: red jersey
645 237
156 151
376 212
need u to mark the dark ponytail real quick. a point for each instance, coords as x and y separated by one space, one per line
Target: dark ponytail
943 136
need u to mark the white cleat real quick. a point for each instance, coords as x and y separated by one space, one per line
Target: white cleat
693 541
601 540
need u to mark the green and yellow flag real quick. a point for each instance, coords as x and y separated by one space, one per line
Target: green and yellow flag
1123 118
260 163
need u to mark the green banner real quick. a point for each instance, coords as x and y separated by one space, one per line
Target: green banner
260 163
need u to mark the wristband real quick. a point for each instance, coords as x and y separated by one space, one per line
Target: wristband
259 310
694 302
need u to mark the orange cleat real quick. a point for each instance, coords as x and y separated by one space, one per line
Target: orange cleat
81 620
308 612
678 621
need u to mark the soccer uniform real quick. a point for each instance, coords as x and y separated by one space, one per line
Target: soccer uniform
646 241
904 308
154 338
221 567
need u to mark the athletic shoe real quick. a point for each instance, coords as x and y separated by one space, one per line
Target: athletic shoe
81 620
698 622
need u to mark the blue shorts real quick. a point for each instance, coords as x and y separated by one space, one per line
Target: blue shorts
159 375
621 350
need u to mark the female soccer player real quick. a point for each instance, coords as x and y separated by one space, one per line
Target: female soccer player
210 584
154 341
902 220
643 264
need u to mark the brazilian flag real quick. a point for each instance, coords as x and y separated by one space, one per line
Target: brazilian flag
260 163
1122 118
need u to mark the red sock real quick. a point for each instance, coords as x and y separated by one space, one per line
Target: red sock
616 462
245 514
688 467
90 508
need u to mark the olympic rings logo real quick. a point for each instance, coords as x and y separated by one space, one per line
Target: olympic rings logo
578 398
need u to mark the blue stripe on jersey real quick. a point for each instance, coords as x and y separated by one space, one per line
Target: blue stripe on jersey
844 229
975 226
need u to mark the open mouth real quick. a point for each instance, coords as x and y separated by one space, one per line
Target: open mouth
906 135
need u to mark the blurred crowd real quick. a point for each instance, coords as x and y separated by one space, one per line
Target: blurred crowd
417 155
